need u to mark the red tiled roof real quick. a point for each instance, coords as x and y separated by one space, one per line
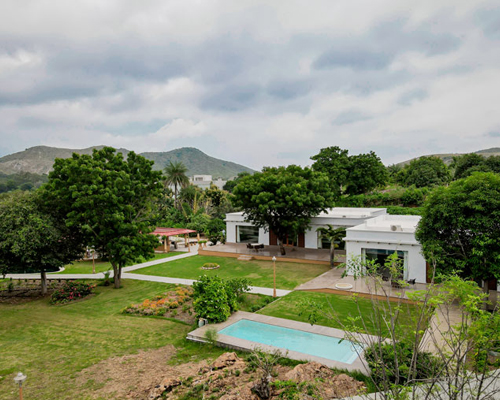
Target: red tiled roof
171 231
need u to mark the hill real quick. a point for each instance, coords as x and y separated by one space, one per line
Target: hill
448 157
39 160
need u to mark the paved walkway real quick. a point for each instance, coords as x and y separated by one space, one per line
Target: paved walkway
150 278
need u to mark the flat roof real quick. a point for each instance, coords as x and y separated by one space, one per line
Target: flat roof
339 212
389 223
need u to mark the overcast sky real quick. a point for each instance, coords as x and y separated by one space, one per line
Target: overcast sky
255 82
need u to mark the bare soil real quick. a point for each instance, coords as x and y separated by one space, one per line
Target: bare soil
146 375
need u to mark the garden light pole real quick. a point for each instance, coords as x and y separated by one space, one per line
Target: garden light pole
274 276
19 379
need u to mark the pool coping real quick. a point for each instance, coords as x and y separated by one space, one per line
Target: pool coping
198 335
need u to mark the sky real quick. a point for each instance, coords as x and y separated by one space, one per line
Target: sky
260 83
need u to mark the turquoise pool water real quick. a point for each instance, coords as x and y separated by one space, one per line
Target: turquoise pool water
294 340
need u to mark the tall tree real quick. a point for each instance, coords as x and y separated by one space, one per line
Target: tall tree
111 199
425 171
460 227
334 162
366 172
175 174
33 239
350 174
334 236
283 199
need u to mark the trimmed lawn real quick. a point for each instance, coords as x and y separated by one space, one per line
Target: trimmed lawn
85 267
50 344
344 307
259 273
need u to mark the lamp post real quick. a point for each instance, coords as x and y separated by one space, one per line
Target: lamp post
274 276
19 379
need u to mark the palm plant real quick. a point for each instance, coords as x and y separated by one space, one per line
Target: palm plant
175 174
333 235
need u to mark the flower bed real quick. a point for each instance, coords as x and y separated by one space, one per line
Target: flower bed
166 305
209 266
71 291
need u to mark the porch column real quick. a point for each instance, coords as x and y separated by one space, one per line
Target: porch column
186 242
167 244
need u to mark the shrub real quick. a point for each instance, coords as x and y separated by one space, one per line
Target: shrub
382 358
211 336
210 299
215 298
70 291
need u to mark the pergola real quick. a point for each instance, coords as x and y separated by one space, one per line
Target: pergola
167 232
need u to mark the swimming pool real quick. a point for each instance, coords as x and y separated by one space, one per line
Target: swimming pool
292 339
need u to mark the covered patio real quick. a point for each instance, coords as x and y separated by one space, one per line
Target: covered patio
293 254
164 234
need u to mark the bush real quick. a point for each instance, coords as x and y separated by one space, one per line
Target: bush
215 299
70 291
382 358
414 197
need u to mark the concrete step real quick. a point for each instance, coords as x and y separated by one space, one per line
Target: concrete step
245 258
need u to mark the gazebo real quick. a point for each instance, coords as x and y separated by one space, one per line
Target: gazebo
165 233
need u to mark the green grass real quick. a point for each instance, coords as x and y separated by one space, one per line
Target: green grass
336 310
259 273
52 343
85 267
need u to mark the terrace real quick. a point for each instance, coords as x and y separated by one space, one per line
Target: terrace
293 254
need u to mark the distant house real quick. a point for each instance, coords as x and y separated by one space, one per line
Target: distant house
370 233
204 181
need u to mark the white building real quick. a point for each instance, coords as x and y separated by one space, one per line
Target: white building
204 181
371 233
378 237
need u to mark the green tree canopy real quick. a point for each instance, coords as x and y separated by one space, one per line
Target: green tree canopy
111 200
424 171
366 172
460 227
230 185
283 199
33 239
350 174
175 174
467 164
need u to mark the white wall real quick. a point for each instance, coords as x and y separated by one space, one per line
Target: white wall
416 266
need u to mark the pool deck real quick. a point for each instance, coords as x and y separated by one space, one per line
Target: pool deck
247 345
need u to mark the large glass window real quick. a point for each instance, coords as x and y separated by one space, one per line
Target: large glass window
247 234
380 257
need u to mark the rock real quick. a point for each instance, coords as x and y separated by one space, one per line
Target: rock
344 386
308 372
225 360
165 386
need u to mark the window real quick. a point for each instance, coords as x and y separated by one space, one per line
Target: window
380 256
247 234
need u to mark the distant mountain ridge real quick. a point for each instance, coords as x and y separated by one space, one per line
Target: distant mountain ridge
39 160
448 157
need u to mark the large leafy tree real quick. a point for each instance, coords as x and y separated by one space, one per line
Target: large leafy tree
460 227
425 171
175 174
33 238
283 199
111 200
350 174
334 162
467 164
366 172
